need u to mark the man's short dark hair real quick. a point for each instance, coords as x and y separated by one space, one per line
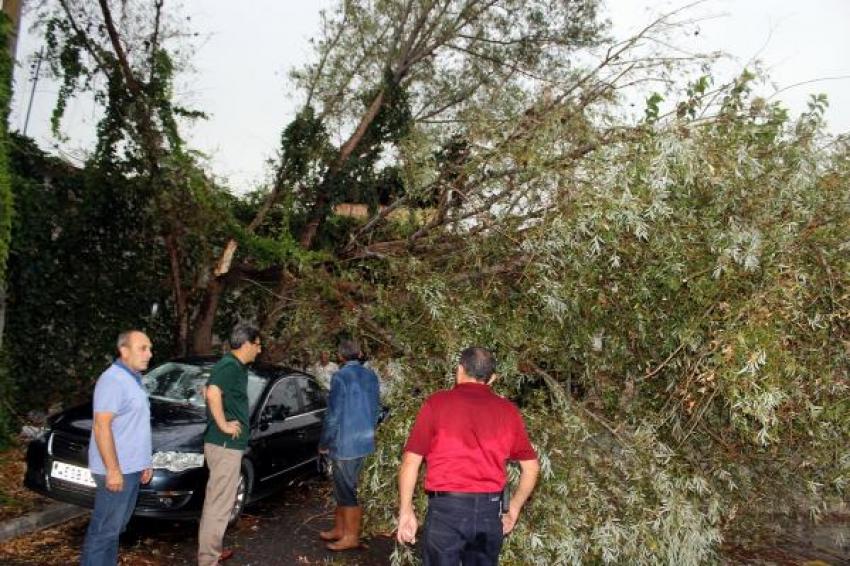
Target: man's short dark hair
348 349
242 334
478 363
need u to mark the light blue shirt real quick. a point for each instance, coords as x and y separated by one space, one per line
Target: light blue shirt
119 391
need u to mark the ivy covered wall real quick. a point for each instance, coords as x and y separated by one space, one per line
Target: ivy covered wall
84 265
6 202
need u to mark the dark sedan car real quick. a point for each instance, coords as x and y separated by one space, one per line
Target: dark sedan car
286 407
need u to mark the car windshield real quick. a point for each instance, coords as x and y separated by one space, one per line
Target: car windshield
184 383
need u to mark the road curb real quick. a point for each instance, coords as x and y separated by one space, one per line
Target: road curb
37 520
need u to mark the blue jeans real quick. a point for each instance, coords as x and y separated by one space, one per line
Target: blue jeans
462 530
112 511
346 474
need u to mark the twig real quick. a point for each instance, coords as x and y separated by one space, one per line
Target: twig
697 418
810 81
562 398
660 367
311 518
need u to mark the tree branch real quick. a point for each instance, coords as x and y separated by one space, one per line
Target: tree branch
321 66
129 78
154 45
82 36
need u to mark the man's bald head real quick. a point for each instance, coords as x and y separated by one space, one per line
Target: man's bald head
134 349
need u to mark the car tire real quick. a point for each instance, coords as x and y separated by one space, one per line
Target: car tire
243 491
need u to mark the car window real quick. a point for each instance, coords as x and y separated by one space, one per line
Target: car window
256 385
184 383
283 400
177 382
313 394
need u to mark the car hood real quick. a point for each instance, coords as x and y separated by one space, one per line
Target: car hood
173 426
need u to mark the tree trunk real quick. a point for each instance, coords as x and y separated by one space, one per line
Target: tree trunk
320 208
319 211
203 327
2 310
181 317
202 332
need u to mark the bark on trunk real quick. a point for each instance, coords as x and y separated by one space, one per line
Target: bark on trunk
182 312
320 208
2 310
319 212
202 336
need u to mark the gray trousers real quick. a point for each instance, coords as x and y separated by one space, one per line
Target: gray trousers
224 465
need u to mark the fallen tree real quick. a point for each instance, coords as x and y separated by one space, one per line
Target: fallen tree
675 329
668 296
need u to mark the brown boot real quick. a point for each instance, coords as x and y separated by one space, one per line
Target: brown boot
337 530
351 533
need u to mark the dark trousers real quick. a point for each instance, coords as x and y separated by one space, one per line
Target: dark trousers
462 530
346 475
112 511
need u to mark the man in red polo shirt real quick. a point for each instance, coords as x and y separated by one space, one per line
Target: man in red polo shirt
466 435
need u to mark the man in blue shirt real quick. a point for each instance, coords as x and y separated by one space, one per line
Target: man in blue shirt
347 438
119 448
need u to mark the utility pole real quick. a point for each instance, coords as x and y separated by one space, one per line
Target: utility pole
32 92
12 9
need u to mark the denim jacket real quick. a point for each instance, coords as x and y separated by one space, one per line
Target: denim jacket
353 410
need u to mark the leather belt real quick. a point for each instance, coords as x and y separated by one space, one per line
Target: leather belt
463 494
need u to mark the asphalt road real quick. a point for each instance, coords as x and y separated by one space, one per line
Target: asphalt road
282 529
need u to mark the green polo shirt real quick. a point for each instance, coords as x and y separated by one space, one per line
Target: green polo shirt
231 376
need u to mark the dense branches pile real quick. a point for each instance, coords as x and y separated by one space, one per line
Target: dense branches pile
668 296
675 327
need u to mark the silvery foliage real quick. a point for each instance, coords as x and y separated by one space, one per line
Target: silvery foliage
632 493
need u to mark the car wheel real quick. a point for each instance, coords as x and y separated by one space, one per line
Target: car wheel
243 490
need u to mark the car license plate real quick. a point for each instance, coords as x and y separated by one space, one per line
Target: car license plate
73 474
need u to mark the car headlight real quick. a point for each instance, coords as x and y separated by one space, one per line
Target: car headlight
177 461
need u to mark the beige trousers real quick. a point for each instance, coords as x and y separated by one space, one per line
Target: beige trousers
224 465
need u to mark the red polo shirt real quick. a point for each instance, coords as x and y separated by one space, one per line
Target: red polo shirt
466 436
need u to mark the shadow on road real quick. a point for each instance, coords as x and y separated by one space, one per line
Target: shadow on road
280 530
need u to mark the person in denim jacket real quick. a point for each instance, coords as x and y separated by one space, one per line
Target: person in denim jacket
348 436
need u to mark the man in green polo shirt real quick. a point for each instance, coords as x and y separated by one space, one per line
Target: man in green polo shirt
225 440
